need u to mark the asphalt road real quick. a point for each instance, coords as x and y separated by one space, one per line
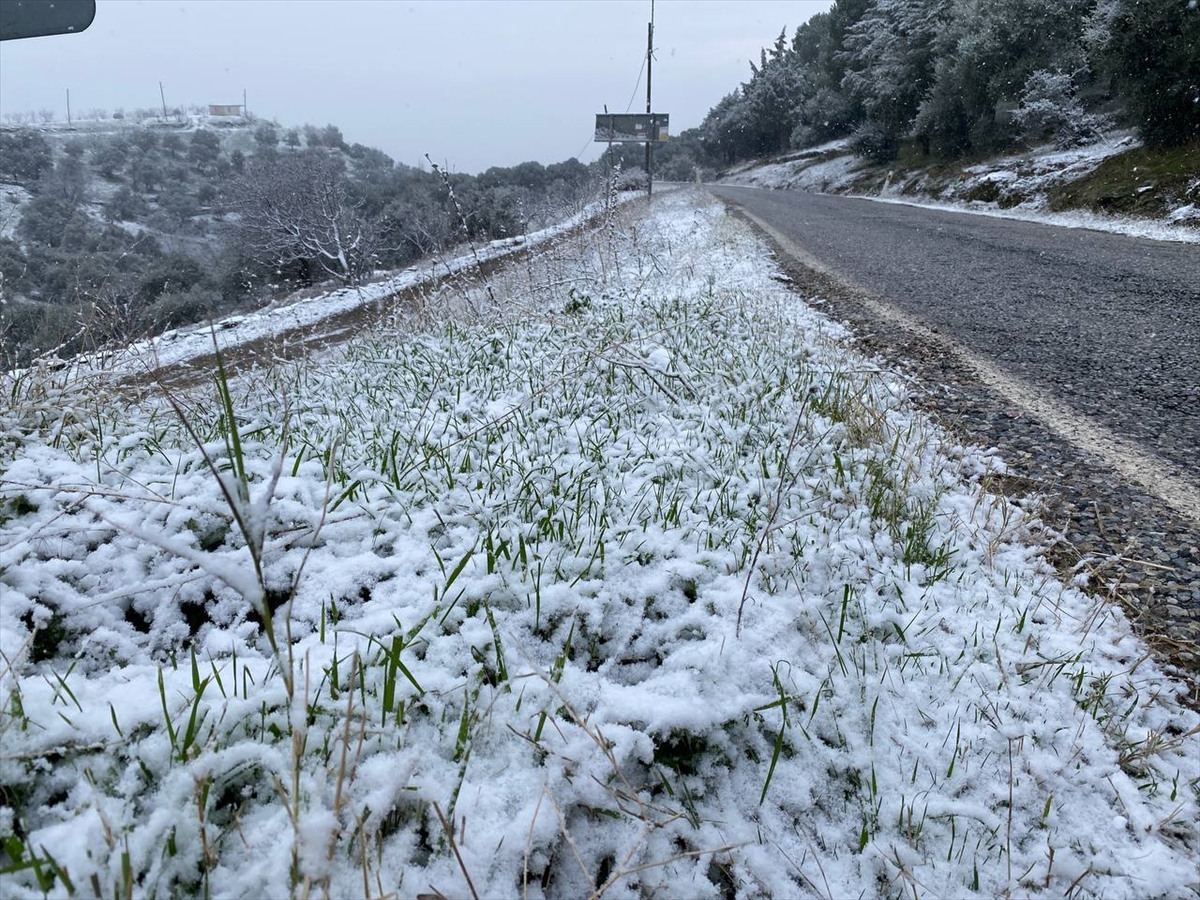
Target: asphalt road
1107 324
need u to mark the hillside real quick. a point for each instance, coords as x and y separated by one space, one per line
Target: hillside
112 229
1022 106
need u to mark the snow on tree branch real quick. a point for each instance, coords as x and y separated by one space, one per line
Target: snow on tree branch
297 207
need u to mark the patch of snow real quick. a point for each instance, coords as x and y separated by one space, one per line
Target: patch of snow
1127 225
801 174
1027 177
1188 213
659 358
12 198
829 146
1051 159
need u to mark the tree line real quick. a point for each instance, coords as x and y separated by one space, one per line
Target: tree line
952 78
126 233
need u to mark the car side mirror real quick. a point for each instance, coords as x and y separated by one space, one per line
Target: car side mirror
39 18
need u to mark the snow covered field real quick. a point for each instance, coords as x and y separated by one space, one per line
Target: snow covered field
638 583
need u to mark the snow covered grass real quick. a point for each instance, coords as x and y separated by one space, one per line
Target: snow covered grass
180 345
641 584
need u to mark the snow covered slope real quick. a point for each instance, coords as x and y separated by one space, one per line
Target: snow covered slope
637 583
1014 186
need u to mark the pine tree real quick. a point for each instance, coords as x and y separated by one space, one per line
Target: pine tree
1153 47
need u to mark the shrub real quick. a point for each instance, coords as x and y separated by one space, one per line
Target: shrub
1050 110
125 205
872 140
24 155
182 307
631 180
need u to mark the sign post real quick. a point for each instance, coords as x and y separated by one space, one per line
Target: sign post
634 128
647 129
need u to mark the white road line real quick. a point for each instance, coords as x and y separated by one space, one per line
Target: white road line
1084 433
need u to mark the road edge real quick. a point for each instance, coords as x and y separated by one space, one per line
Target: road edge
1090 438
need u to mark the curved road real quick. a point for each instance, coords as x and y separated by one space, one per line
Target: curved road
1081 354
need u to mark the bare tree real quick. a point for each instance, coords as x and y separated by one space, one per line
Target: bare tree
417 222
297 208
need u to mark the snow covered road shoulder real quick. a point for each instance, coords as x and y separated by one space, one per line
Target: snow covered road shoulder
643 585
1173 229
180 345
1021 181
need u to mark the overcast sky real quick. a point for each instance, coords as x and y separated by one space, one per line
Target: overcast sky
474 84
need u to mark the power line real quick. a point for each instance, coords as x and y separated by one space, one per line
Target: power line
629 105
585 146
637 84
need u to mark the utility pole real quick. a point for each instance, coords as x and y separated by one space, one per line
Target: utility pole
651 131
636 128
245 111
164 99
68 106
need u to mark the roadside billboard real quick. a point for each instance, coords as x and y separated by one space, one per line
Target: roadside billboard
632 127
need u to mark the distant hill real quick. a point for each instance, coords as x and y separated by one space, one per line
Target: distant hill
113 227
